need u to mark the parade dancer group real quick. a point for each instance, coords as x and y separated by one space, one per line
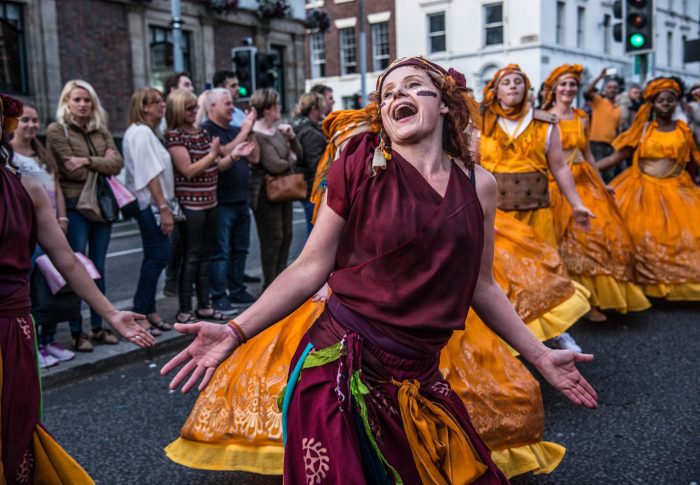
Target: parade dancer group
449 237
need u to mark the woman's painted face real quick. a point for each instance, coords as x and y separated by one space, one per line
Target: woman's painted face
665 103
79 103
28 125
410 104
566 90
511 90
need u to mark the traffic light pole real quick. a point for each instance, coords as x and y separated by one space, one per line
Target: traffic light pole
643 67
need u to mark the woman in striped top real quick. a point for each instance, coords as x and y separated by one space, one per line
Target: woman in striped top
197 163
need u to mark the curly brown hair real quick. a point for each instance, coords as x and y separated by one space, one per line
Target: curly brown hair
455 130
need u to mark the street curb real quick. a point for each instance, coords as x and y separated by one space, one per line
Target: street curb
89 369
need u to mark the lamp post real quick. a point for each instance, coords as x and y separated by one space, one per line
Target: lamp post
363 54
178 60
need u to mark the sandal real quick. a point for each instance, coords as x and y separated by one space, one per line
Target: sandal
153 331
159 324
185 317
215 314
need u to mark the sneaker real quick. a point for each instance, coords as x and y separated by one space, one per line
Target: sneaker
103 336
59 351
243 298
224 307
248 278
566 342
45 359
81 343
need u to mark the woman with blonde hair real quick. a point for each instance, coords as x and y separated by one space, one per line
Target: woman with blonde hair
308 116
149 176
279 152
196 160
82 145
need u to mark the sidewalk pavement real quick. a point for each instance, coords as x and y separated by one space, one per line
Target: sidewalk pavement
105 357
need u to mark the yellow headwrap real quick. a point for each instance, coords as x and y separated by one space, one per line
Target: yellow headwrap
490 107
633 136
550 84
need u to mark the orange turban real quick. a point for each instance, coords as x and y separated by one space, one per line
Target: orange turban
550 84
490 107
633 135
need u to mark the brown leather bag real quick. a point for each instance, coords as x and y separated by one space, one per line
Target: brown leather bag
285 188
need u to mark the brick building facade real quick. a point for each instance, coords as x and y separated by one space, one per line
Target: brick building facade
334 57
121 45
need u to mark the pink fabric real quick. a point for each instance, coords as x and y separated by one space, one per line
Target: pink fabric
121 193
55 280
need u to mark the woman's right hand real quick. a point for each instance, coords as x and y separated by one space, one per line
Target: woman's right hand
212 345
215 148
167 222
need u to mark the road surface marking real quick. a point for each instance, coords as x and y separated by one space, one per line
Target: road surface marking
124 253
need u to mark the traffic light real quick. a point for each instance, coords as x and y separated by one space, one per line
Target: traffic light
618 27
639 26
267 71
244 66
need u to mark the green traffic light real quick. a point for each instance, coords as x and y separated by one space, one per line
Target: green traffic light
243 92
637 40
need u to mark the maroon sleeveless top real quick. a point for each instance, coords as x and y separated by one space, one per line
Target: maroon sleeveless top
408 260
17 242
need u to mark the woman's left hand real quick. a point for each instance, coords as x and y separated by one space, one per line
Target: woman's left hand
582 217
558 367
287 131
126 325
74 163
243 149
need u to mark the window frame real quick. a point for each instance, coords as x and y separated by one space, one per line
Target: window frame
318 62
342 47
559 33
438 33
22 44
580 26
380 61
493 25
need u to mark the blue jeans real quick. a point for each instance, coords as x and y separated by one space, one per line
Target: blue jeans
156 253
309 213
83 234
230 249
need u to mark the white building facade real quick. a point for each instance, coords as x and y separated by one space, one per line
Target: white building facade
477 37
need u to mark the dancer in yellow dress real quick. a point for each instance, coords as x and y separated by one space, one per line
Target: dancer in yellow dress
236 424
521 147
602 258
657 197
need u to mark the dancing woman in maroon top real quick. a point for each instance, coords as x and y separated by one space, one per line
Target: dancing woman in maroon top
28 453
405 240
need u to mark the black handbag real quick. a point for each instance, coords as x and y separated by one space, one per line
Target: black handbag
106 200
64 306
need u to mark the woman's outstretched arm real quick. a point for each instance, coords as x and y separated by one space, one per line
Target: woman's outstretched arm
214 342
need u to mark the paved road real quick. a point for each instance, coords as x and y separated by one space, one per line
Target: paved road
647 429
124 256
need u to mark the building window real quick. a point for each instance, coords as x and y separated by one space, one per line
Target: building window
684 6
580 26
561 9
318 55
437 36
348 53
380 46
607 34
669 48
13 62
161 48
493 24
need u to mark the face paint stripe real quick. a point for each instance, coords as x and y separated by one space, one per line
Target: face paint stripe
427 93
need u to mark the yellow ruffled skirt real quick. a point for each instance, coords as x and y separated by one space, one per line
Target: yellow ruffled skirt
533 277
236 423
658 213
541 220
602 258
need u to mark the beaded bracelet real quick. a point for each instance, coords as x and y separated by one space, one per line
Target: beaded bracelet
237 331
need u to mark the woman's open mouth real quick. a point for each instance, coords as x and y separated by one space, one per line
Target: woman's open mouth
404 110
